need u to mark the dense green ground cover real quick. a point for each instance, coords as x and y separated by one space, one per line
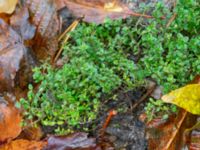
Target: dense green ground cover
100 59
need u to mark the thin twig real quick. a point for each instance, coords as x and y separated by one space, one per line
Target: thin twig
178 126
173 17
142 15
67 30
107 121
171 20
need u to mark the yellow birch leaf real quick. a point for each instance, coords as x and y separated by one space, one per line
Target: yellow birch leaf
187 97
7 6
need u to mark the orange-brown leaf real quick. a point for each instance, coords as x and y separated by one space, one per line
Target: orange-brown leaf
9 121
24 145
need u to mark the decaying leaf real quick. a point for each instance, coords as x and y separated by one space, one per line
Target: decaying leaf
12 52
44 17
96 10
169 134
7 6
187 97
78 141
24 145
9 121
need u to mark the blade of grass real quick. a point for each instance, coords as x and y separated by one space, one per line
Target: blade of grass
66 36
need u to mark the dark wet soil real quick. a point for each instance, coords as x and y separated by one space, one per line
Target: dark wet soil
125 130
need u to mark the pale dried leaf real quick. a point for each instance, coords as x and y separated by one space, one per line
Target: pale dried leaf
7 6
96 10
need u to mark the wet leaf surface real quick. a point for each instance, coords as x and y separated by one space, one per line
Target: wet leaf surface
9 121
20 23
96 11
12 53
44 17
78 141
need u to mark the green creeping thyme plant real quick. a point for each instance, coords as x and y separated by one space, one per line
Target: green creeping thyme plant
155 108
171 54
100 59
69 97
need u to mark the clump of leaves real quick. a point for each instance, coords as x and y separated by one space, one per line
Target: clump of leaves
70 96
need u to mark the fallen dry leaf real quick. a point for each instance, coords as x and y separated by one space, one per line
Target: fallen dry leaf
24 145
78 141
7 6
187 97
44 17
96 10
9 121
